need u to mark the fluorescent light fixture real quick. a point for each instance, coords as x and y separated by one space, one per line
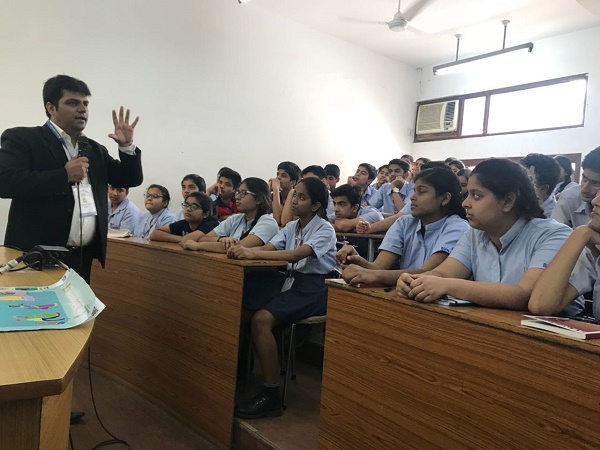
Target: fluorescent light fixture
451 67
243 1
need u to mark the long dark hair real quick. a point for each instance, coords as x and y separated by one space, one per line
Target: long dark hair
565 163
444 181
502 176
260 189
318 193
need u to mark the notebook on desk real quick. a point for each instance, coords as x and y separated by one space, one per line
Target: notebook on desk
448 300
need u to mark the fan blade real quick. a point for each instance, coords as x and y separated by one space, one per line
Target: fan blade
411 12
355 20
592 6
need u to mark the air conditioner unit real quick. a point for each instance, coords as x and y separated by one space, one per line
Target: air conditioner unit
439 117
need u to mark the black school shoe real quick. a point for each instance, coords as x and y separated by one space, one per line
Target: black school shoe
259 406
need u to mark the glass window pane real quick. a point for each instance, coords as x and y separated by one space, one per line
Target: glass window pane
551 106
473 114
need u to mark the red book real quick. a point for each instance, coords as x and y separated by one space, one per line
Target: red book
567 327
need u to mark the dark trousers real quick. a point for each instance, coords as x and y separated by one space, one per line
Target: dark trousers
80 260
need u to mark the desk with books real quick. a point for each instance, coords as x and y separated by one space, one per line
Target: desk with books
36 374
171 326
400 374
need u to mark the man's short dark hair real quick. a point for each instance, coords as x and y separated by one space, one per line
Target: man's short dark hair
230 174
372 171
547 170
352 193
332 170
317 170
592 160
400 162
291 169
54 89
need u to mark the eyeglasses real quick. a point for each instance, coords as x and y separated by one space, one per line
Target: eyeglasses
192 206
154 196
243 193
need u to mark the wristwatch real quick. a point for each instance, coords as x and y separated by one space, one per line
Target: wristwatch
396 190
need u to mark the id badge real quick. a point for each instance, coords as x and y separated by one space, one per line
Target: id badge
287 284
88 207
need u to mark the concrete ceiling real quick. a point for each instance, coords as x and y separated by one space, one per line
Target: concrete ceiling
430 36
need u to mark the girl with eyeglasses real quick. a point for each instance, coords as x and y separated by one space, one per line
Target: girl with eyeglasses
308 246
157 203
252 226
198 216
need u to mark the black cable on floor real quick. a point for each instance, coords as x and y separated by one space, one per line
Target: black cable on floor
114 440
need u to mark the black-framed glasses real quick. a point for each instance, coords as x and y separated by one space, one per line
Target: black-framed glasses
243 193
191 206
154 196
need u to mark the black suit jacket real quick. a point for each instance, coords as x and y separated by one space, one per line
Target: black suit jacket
33 175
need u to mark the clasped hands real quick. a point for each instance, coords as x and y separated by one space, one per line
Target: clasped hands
421 287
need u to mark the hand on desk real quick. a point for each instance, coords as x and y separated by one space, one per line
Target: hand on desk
228 242
190 245
347 255
363 227
423 288
354 274
239 252
193 236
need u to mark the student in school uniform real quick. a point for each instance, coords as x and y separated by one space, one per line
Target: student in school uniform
416 242
157 203
348 210
252 226
191 183
221 193
333 175
122 212
499 259
364 176
308 244
382 178
288 174
545 171
395 195
198 216
574 205
564 179
463 177
574 271
314 171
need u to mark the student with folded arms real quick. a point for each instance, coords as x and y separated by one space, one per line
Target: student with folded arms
417 242
308 245
198 216
252 226
574 270
505 251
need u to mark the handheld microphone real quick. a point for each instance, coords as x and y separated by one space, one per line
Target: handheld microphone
83 145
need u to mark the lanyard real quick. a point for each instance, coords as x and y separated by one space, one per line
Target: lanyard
60 139
298 241
150 223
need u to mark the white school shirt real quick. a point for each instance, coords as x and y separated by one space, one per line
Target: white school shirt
382 200
570 209
585 277
235 225
150 222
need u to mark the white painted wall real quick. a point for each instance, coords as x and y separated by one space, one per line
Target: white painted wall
557 57
214 83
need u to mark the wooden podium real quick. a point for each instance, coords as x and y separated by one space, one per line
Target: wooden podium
36 374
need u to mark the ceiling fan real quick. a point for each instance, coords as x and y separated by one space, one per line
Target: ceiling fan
400 21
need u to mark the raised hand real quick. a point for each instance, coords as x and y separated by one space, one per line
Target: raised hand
123 134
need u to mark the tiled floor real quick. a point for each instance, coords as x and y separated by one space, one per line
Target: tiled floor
145 426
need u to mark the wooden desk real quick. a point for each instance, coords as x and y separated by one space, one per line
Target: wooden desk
371 237
36 374
171 328
399 374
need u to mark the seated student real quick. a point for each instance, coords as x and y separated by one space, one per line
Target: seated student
288 175
574 205
463 177
504 252
574 270
364 176
456 165
252 226
383 174
395 195
122 213
308 244
191 183
545 171
417 242
415 168
348 211
221 193
313 171
157 203
333 175
198 216
564 179
410 161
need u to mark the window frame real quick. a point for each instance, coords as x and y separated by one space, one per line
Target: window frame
488 94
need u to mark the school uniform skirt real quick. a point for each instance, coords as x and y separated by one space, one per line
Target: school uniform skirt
307 297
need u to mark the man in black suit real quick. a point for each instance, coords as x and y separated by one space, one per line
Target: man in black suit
57 178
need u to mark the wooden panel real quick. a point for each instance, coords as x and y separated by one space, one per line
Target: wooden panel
20 424
54 428
402 375
171 329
